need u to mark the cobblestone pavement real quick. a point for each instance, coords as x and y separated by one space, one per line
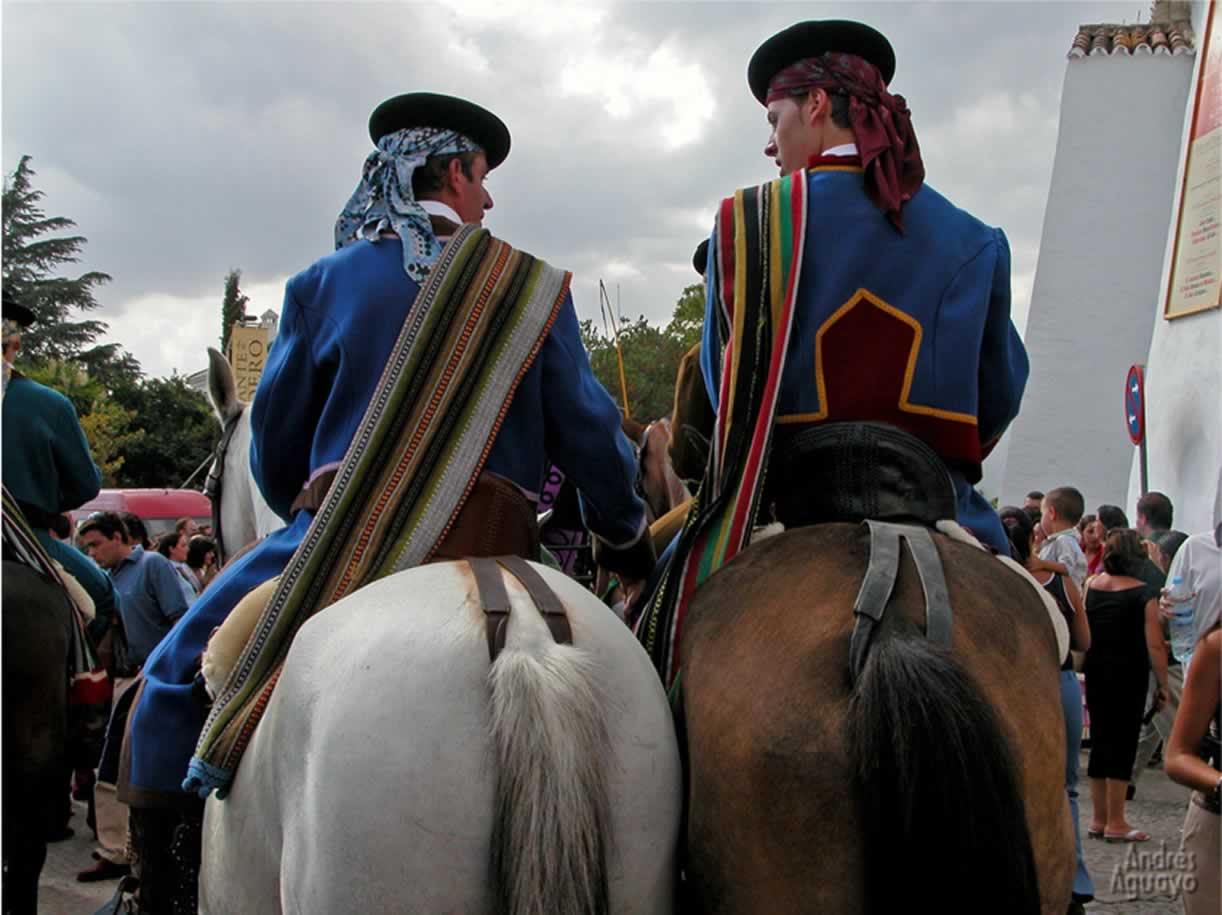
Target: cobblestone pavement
1141 878
1127 877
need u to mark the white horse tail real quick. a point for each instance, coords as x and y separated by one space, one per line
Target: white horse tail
552 825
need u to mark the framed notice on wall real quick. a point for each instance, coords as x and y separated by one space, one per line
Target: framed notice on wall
1196 259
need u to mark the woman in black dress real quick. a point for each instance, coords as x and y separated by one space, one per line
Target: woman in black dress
1126 640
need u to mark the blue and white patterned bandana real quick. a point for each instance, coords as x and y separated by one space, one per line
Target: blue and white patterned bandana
384 201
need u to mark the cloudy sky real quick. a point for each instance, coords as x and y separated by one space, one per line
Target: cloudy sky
186 139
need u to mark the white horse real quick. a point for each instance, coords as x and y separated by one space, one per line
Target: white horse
397 770
244 514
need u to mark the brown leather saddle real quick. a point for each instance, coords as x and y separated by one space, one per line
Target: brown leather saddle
495 599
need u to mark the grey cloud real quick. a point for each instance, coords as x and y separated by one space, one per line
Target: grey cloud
186 139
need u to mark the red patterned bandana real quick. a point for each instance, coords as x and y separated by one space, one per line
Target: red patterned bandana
881 124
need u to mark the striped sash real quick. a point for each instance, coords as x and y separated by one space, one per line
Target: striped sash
759 241
476 327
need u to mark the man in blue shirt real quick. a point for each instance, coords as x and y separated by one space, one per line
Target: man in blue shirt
151 599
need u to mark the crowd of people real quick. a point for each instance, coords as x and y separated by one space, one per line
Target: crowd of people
1135 639
155 583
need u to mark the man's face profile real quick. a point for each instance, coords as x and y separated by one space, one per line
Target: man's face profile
472 199
793 139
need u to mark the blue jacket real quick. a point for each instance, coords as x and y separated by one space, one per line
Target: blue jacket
912 329
47 464
48 469
337 328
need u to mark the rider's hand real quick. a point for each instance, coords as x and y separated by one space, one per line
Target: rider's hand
632 590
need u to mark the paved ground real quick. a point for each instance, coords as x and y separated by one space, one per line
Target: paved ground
1129 879
1142 878
58 892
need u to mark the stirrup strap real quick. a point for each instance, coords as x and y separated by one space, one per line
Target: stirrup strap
495 599
879 582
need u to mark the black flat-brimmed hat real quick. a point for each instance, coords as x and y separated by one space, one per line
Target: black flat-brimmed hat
428 109
700 257
812 38
14 311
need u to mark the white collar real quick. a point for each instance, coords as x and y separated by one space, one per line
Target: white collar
844 149
437 208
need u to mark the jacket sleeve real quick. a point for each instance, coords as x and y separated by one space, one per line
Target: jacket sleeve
710 340
283 416
79 477
1003 358
585 440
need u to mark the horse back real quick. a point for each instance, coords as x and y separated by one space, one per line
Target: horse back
767 693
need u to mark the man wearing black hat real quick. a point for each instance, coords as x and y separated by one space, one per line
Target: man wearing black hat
352 323
903 305
48 468
846 291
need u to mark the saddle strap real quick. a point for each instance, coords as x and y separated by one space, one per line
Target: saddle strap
495 599
876 588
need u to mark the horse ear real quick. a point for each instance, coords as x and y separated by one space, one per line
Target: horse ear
222 390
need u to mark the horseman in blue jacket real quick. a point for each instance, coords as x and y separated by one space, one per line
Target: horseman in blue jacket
903 304
48 468
339 323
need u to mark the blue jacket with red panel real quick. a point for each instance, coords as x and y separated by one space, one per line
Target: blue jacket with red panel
911 329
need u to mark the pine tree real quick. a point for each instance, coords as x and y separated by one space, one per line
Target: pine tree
30 260
233 307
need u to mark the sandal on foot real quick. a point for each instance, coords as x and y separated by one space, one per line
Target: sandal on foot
1133 835
1092 833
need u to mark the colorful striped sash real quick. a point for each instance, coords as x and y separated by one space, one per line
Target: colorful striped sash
476 327
758 241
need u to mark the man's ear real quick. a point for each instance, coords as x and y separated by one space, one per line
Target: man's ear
819 106
455 174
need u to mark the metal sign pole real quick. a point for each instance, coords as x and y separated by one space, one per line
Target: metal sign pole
1145 479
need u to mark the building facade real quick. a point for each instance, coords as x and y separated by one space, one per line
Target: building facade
1100 277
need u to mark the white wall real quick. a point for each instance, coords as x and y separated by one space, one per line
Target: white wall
1099 272
1184 391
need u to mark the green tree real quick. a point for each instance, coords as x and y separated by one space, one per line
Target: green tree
69 378
687 321
111 432
651 359
31 259
179 432
233 306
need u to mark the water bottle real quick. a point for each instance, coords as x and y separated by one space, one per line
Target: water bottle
1182 626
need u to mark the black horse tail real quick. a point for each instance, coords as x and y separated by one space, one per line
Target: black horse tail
945 826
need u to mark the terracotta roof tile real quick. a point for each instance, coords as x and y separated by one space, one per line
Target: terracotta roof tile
1173 38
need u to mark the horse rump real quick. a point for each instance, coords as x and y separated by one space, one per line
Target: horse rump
938 784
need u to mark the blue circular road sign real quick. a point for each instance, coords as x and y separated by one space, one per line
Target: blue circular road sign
1135 404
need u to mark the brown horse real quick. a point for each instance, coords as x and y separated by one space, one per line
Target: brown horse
692 420
657 482
935 783
36 620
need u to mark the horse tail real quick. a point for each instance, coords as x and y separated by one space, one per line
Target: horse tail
940 791
550 838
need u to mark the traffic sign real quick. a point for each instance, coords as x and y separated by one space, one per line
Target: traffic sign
1135 404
